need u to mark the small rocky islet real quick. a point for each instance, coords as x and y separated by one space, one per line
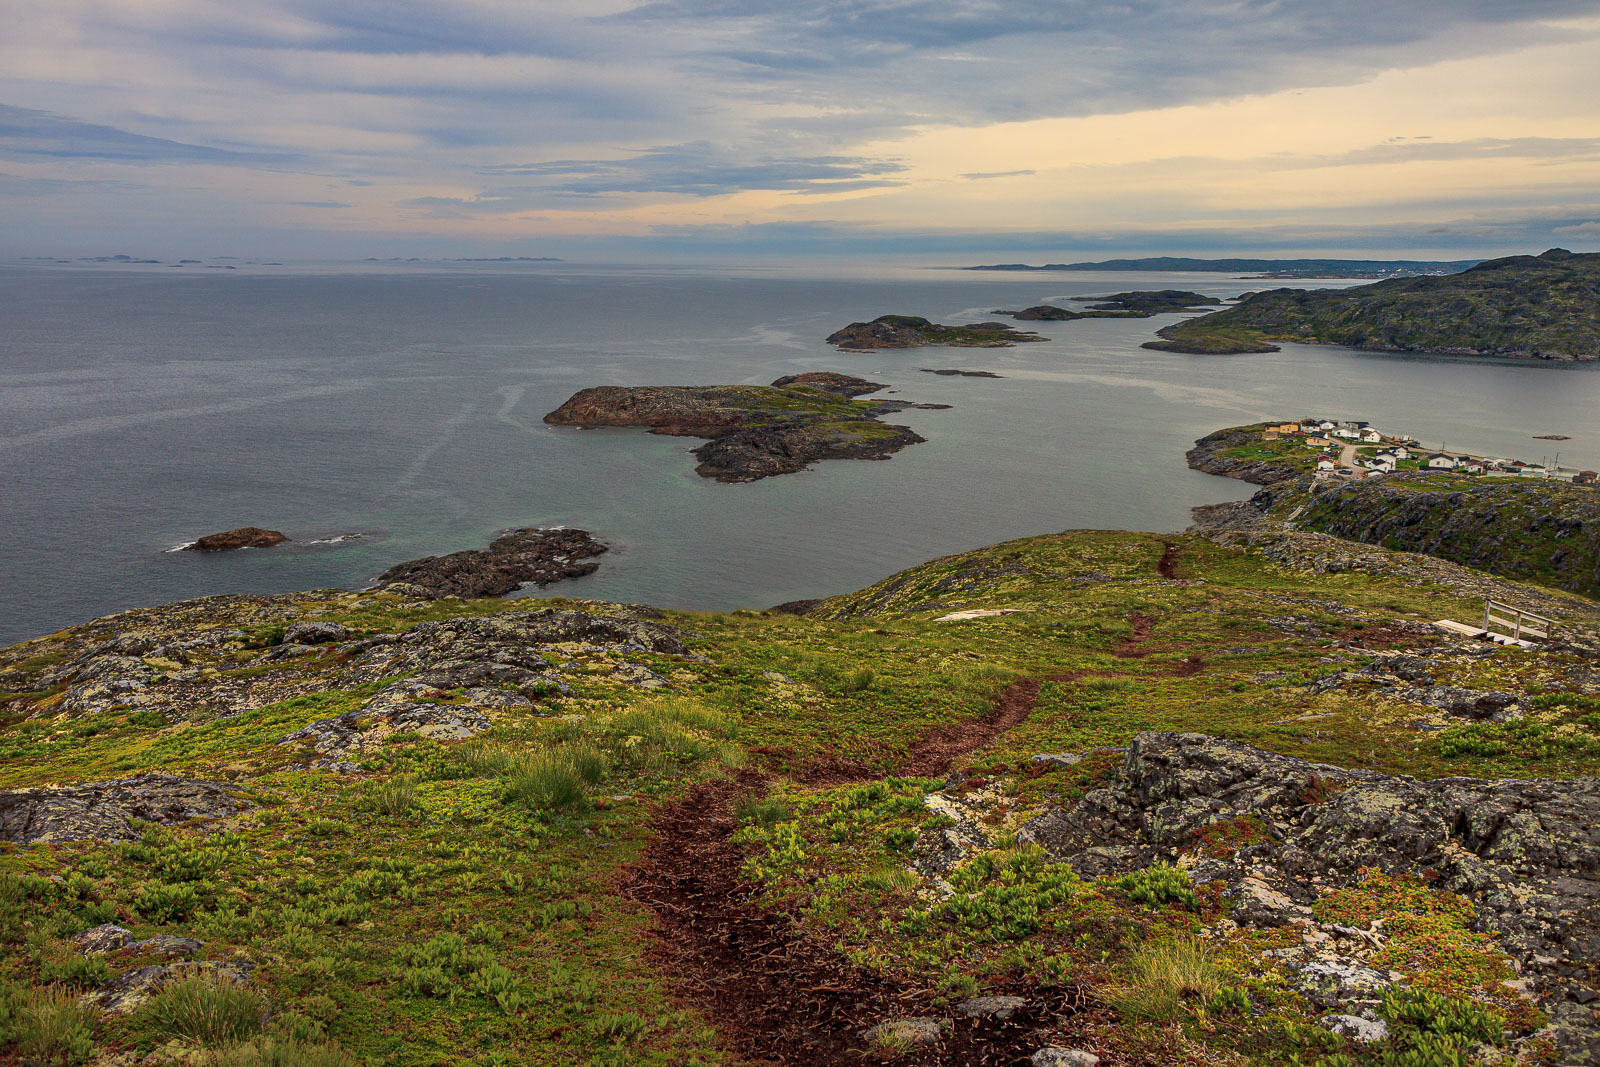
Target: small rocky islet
232 540
913 331
1141 304
526 556
755 431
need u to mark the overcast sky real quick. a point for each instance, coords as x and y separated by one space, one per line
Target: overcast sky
702 127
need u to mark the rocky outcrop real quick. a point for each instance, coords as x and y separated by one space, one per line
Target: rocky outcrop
107 811
1207 455
529 556
1545 531
755 431
1524 853
952 372
913 331
243 537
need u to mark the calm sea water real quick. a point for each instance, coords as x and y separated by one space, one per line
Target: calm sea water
141 408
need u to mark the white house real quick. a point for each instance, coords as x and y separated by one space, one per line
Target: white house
1382 462
1325 425
1400 452
1325 464
1473 468
1371 436
1347 433
1441 462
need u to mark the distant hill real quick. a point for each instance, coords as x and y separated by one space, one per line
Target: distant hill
1272 268
1540 307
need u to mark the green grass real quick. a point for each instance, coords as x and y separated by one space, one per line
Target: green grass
458 901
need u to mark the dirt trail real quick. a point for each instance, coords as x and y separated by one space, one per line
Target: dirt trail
775 995
932 755
1168 566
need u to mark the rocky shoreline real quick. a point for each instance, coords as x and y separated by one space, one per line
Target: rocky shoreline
756 431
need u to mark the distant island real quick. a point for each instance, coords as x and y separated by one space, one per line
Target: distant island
914 331
1132 305
1527 307
756 431
1267 268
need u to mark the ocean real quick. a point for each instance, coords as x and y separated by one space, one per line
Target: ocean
141 407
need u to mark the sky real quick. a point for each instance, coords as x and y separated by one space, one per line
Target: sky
1033 129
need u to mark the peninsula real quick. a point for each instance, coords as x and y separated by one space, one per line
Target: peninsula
1270 268
1502 516
755 431
1525 307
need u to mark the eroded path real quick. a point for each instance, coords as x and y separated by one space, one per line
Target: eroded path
777 996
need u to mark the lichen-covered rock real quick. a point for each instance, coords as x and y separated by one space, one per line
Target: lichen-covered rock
106 811
990 1007
923 1031
101 939
1525 853
1330 985
1366 1031
314 632
409 706
1064 1057
504 650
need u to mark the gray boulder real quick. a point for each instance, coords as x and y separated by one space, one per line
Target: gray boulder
106 811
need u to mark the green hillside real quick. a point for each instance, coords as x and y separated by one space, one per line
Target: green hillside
357 828
1543 307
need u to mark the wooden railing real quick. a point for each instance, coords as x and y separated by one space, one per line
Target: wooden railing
1522 625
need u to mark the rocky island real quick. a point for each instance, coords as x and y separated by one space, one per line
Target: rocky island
527 556
912 331
243 537
1525 307
1129 305
756 431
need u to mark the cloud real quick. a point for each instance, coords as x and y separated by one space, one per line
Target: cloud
27 133
1580 229
983 175
319 203
701 169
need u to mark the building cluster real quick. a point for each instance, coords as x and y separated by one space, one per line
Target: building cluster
1340 454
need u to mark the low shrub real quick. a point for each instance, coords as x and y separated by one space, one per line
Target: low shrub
209 1009
1163 976
281 1052
393 797
1159 884
53 1025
